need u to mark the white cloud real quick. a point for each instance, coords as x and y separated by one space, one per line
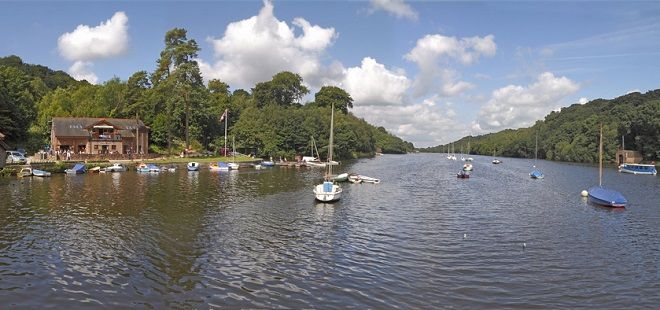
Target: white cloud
451 89
431 49
82 70
516 106
426 124
373 84
583 100
395 7
84 44
106 40
254 49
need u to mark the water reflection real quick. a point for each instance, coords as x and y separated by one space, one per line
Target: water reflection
257 239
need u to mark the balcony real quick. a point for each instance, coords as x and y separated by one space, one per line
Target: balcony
106 137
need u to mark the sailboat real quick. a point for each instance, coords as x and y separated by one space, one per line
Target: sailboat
328 191
233 164
313 161
536 173
600 195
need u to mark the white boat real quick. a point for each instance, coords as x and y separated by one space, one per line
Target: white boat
638 169
340 177
497 161
116 167
329 191
467 167
358 178
25 172
192 166
40 173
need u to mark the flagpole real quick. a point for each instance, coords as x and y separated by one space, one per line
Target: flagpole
226 119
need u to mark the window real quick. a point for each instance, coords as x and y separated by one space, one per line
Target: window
96 147
114 147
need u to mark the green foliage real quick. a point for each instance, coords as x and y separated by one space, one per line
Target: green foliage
269 122
572 134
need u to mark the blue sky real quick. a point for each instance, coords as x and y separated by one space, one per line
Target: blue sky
428 71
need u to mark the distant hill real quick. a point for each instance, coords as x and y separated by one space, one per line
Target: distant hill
572 134
53 79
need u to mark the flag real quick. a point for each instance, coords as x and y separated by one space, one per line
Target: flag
224 115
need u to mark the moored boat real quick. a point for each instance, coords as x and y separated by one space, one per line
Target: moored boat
329 191
96 169
600 195
40 173
142 167
638 169
267 163
467 167
233 166
25 172
340 177
219 166
79 168
358 178
536 174
115 167
496 161
192 166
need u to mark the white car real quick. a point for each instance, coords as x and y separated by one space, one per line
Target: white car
14 157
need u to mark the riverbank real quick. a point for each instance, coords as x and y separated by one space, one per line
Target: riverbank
60 166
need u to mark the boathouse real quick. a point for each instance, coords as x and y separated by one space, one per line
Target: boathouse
87 135
628 157
3 150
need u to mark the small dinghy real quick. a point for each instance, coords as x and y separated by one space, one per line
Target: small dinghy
116 167
358 178
79 168
267 163
40 173
463 175
96 169
193 166
340 177
25 172
219 166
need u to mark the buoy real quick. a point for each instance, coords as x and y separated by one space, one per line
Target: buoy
464 236
584 193
524 245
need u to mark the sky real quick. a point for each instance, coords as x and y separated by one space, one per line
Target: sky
429 72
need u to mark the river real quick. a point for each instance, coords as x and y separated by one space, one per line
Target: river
257 239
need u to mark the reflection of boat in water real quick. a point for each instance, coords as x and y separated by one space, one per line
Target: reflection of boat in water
600 195
638 169
463 175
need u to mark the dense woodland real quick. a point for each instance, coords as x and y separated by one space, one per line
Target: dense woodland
572 134
268 120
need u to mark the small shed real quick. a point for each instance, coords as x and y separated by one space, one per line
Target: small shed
3 150
628 157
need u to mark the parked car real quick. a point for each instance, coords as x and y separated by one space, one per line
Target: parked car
22 151
14 157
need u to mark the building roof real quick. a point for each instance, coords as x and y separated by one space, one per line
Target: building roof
76 126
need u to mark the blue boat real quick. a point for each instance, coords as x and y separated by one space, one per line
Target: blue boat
536 174
79 168
600 195
638 169
607 197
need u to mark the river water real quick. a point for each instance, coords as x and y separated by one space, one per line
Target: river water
257 239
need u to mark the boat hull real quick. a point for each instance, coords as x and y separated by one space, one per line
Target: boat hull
536 174
638 169
606 197
322 194
40 173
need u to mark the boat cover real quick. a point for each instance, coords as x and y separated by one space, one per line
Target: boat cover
327 187
78 167
607 197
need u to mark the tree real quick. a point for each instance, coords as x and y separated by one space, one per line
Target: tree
328 95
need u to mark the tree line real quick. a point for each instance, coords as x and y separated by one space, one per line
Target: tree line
267 120
572 134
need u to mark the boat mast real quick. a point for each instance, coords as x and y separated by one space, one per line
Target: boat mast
536 149
332 123
233 146
600 157
226 121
